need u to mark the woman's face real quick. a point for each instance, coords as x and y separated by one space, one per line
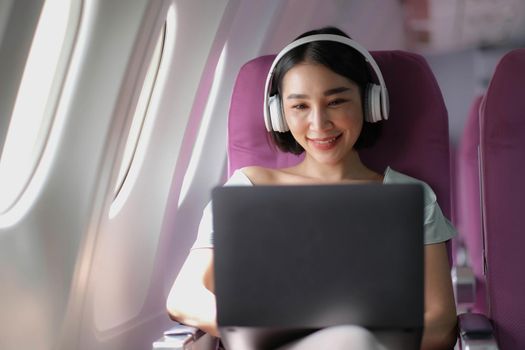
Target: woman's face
323 111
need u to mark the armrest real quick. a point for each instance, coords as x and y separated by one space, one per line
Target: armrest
464 283
182 337
476 332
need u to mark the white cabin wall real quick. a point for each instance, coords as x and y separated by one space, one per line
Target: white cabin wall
180 220
239 38
47 253
134 254
354 17
456 78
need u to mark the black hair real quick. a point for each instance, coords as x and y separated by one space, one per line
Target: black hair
339 58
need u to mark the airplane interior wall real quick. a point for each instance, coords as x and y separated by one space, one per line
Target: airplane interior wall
86 262
462 75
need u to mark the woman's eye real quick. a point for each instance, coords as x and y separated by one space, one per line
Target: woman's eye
336 102
299 106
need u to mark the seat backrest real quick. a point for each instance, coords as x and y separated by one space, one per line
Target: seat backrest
502 156
468 205
414 139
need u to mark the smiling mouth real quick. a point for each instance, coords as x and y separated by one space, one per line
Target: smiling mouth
325 140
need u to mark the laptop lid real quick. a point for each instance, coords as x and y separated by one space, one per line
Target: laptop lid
308 257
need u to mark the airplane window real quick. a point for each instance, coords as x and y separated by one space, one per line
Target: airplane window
203 130
140 113
36 101
126 235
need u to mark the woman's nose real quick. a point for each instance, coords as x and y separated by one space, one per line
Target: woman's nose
320 119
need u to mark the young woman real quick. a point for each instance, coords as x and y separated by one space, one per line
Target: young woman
321 93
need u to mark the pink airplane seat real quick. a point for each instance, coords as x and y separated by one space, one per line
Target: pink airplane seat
502 156
414 139
468 211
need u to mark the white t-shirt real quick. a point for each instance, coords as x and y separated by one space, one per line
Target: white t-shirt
437 227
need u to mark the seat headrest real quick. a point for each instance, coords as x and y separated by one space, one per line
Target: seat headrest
414 140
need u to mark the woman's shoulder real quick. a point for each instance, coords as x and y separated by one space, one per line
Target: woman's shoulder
395 177
260 175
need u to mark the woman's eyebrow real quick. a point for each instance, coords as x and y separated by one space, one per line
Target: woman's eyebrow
292 96
329 92
336 90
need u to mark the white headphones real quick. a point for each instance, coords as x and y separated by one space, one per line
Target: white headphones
376 96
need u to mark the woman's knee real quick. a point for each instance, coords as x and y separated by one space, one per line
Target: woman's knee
350 337
346 337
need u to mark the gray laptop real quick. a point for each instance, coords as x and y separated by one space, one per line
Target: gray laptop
290 260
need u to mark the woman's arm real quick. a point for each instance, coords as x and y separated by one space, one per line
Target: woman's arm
191 300
440 311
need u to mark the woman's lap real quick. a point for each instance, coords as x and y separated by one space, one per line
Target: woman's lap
346 337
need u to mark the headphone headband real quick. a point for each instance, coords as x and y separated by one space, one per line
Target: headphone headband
326 37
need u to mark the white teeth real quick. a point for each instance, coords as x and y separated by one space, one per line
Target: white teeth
324 142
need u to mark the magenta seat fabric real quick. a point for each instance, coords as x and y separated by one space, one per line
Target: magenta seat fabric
468 218
502 145
248 141
414 140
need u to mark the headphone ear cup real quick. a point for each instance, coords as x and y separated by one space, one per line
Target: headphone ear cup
373 103
276 114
